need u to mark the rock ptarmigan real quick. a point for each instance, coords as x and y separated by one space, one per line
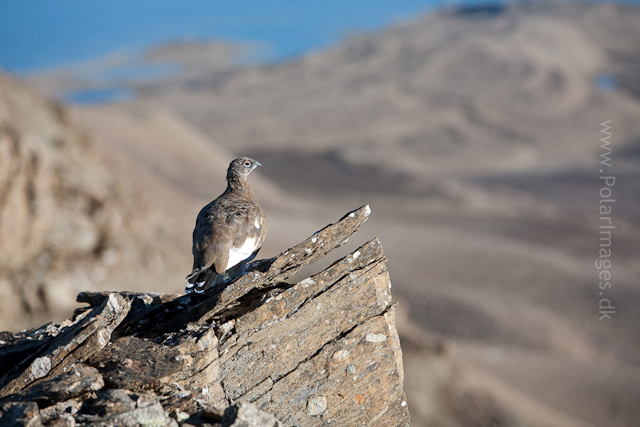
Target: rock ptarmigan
229 231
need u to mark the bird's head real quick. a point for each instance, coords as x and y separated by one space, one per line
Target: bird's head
241 168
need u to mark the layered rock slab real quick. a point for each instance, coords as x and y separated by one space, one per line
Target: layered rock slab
323 351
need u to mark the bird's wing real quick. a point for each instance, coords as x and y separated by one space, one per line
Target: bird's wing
226 235
206 240
262 226
247 225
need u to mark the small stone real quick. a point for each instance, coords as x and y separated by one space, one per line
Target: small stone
351 369
184 358
40 367
247 415
103 337
341 355
227 327
179 416
113 302
307 282
316 405
376 338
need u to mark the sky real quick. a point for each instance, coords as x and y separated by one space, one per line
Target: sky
39 34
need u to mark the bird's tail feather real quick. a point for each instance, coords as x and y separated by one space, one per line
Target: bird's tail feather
197 280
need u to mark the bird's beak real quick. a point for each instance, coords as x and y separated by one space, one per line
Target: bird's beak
258 163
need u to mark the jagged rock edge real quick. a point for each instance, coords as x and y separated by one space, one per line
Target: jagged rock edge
364 269
332 340
261 280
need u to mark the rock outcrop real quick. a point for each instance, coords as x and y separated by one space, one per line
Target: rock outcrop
261 351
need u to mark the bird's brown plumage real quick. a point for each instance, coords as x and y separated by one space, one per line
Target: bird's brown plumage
229 231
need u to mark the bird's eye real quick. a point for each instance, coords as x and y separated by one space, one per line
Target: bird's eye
247 163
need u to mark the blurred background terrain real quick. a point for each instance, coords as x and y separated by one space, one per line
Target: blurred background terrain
473 132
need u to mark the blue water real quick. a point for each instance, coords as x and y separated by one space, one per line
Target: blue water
39 34
606 82
99 96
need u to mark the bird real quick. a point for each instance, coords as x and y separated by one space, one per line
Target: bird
229 231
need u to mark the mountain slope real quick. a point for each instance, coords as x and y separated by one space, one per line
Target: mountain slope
66 222
452 92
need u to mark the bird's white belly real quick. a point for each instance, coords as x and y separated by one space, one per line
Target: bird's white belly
237 255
